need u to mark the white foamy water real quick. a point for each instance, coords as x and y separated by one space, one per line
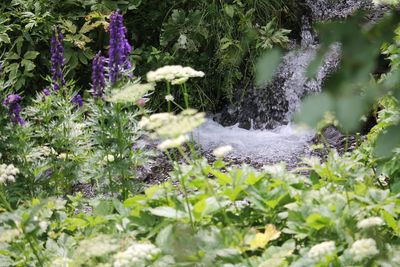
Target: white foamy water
285 143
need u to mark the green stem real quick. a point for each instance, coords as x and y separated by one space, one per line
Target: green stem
168 93
185 95
4 199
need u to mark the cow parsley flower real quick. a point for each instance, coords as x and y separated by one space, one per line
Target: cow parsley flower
182 41
119 47
321 250
97 246
57 59
220 152
169 98
173 142
363 248
8 235
385 2
7 173
136 255
176 74
370 222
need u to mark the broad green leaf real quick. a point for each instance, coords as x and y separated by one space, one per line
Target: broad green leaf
314 108
391 221
387 141
4 38
168 212
29 65
31 55
267 65
349 110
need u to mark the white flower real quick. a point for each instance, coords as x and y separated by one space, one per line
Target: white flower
172 143
321 250
109 158
363 248
220 152
385 2
8 235
370 222
62 156
136 255
173 73
62 262
43 226
7 173
169 98
182 41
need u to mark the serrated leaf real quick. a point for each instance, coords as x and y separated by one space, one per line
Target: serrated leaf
31 55
168 212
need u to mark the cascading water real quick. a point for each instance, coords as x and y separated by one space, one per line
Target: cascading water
258 126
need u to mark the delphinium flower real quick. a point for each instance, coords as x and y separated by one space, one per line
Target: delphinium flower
98 79
46 92
370 222
57 59
77 100
321 250
363 248
14 108
119 47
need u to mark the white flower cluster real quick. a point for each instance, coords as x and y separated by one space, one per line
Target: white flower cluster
221 151
171 128
169 98
136 255
386 2
321 250
7 173
370 222
175 74
363 248
8 235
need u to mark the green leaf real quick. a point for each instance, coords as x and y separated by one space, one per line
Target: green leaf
391 221
29 65
4 38
168 212
314 108
229 10
31 55
387 141
349 110
267 65
317 221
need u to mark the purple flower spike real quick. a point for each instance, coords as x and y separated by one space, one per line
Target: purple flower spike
57 59
98 80
46 92
77 100
119 47
14 108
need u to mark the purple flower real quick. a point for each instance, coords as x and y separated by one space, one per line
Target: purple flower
98 80
77 100
14 108
46 92
57 59
119 47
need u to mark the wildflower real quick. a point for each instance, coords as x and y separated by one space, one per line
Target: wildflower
385 2
77 100
46 92
175 74
370 222
14 108
119 47
61 262
97 246
363 248
98 80
109 158
171 126
7 173
142 101
8 235
131 93
169 98
57 59
136 255
40 153
173 143
321 250
182 41
220 152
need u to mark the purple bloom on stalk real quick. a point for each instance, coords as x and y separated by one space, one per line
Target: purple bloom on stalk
14 108
119 47
98 80
46 92
57 59
77 100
